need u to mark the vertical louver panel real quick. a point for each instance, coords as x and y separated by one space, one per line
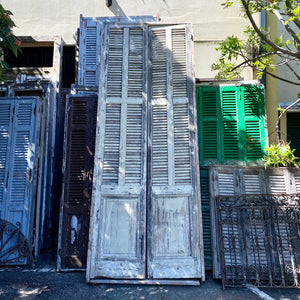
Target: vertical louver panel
182 157
22 163
119 194
159 65
204 188
135 63
115 63
208 124
5 134
79 147
179 64
159 138
173 169
254 115
230 124
112 144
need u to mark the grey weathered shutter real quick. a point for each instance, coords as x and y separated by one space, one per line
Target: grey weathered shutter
174 236
6 111
79 149
117 235
89 49
21 166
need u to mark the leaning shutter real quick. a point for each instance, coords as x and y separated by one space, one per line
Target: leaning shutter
89 46
208 107
20 203
174 237
117 235
254 115
78 167
6 110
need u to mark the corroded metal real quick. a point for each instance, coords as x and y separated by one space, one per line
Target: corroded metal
259 239
14 247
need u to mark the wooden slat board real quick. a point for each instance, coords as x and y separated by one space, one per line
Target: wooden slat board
237 180
78 165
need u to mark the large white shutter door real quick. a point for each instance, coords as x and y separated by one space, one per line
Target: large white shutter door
174 210
117 235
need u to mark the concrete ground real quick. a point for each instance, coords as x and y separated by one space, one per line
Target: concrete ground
43 282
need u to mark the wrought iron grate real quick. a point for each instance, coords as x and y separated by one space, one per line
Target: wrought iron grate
14 247
259 239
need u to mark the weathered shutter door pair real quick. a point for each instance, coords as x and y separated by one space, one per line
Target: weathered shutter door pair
145 212
18 118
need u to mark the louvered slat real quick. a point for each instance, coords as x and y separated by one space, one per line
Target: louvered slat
115 63
159 145
179 66
112 144
231 134
159 64
182 144
134 131
135 62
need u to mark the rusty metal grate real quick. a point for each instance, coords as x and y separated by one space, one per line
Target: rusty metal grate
14 247
259 239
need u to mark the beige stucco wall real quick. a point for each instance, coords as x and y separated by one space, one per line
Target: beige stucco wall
211 23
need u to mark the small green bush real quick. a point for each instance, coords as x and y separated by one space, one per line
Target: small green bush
280 155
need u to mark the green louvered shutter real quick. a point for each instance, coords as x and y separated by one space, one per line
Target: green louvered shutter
230 109
208 102
254 112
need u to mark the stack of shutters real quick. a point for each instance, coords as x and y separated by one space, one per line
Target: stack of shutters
231 130
20 138
80 137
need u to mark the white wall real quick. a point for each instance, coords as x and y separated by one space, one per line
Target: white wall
211 23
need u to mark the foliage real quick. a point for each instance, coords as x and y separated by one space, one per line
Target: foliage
280 155
8 41
259 50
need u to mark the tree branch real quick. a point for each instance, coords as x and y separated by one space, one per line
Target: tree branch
288 28
263 37
289 6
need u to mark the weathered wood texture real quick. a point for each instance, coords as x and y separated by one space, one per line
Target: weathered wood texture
78 165
237 180
174 236
119 228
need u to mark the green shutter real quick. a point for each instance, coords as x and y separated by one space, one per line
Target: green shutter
254 114
208 105
204 186
230 105
231 124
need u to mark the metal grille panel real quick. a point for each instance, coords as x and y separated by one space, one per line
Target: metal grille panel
259 238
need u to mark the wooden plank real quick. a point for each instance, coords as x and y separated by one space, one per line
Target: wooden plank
148 282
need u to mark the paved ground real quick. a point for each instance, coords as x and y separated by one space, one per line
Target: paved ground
43 282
